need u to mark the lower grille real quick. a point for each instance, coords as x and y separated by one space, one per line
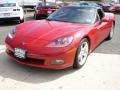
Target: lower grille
27 59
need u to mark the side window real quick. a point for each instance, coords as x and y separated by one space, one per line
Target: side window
97 17
100 13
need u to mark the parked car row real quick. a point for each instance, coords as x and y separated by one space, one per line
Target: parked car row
110 7
107 7
12 11
43 10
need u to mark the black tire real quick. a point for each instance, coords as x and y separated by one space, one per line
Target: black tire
111 33
78 62
21 21
36 16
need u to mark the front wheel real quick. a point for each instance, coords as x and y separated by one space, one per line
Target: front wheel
81 54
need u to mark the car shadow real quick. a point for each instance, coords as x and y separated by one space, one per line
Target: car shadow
8 23
13 70
109 47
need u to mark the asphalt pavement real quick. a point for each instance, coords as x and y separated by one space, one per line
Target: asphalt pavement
101 71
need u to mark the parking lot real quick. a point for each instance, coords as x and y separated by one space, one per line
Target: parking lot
101 72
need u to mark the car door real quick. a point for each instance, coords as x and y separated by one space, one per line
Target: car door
102 26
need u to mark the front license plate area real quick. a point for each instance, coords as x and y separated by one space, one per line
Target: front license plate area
20 53
6 14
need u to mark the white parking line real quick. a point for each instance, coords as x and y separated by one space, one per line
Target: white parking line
2 48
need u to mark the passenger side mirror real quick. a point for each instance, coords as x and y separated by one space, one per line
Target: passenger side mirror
105 20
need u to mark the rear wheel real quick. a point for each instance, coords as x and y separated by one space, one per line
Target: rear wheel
21 21
111 33
36 16
81 54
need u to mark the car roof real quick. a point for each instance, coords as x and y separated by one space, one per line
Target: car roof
9 2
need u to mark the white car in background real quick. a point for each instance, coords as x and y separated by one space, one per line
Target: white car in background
28 3
11 11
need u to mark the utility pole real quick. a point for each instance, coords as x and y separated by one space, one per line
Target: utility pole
44 2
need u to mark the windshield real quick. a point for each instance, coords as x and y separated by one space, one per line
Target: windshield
74 14
8 5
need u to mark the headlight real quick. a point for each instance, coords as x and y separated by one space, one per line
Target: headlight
61 42
12 33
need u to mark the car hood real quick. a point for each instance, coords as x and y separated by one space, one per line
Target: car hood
44 30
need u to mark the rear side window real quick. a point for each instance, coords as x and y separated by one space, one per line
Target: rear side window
100 13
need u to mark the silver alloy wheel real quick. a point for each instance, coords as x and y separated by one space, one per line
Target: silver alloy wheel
111 31
83 53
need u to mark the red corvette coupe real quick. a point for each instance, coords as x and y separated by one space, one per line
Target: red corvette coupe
62 40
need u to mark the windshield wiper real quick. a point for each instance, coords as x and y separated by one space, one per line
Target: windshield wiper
48 19
52 19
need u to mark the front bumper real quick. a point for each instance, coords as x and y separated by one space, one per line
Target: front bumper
45 61
9 18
